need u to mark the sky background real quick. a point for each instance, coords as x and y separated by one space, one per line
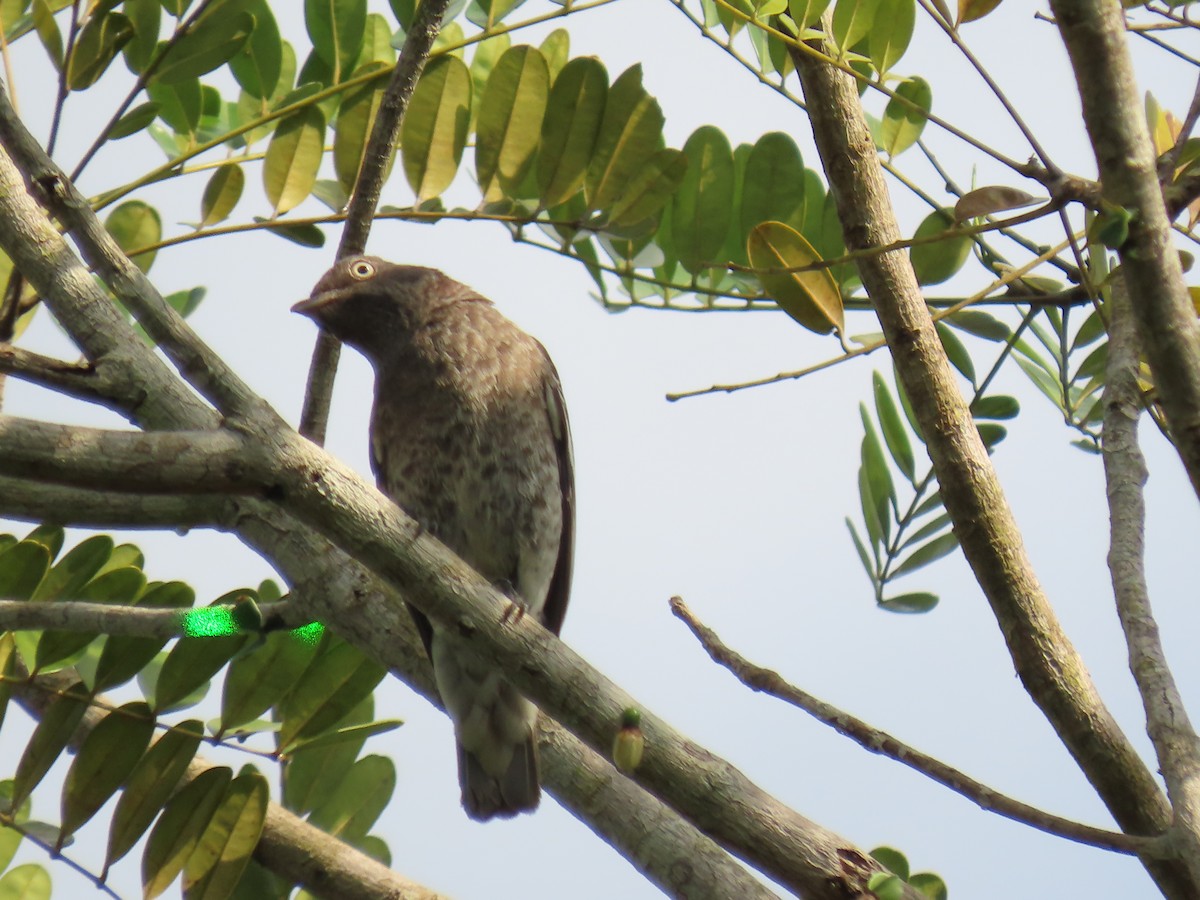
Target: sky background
733 502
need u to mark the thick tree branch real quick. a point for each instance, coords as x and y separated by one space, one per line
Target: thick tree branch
369 613
171 462
297 852
758 678
106 618
1175 740
377 157
1094 35
36 502
1045 660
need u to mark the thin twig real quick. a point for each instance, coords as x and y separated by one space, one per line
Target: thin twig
870 738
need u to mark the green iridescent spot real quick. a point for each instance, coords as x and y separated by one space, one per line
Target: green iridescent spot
210 621
310 633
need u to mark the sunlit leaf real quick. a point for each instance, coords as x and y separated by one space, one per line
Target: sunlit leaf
630 134
223 849
355 120
970 10
259 63
935 261
336 28
221 194
178 829
293 157
133 225
434 132
54 730
574 112
211 43
811 298
99 42
702 209
905 116
891 33
511 113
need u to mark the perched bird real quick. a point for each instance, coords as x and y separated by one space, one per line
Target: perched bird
469 436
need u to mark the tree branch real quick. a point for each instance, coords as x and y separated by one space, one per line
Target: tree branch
172 462
1094 35
758 678
314 416
106 618
1047 663
1174 738
35 502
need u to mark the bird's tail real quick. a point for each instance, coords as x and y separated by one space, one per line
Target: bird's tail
516 791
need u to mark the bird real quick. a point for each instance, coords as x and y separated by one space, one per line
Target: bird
469 436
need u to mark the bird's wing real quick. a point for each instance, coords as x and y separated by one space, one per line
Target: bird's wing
560 584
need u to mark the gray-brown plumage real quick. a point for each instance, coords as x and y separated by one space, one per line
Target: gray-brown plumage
469 436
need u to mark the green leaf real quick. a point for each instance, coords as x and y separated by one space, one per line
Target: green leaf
304 235
259 63
957 353
863 554
895 435
991 199
124 656
927 553
434 131
1046 383
630 134
879 477
189 666
886 886
146 18
903 122
773 184
347 733
483 61
336 28
27 882
574 112
650 189
892 860
314 768
806 12
81 564
509 127
852 21
149 787
115 586
211 42
48 33
178 830
891 33
221 194
930 885
991 434
870 508
8 668
99 42
377 42
330 688
106 759
811 298
996 406
361 797
355 120
258 679
489 13
979 323
10 838
133 121
557 50
916 602
134 225
293 157
50 738
179 104
223 850
703 206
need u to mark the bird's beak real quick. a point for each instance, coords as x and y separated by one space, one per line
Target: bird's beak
319 300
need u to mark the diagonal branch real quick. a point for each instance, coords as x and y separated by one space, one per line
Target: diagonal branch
1174 738
314 416
1094 35
1048 665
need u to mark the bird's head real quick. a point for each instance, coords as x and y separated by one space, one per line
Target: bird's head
370 303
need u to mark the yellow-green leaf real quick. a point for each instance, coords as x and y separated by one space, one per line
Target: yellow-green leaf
702 208
178 829
970 10
650 189
221 194
510 117
47 32
938 260
223 850
336 28
903 121
330 688
363 794
100 40
354 122
573 115
293 157
811 298
134 225
891 33
124 656
27 882
256 680
434 132
630 134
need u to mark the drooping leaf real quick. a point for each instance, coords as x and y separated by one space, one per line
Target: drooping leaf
362 795
511 113
178 829
334 684
47 32
434 131
891 33
336 28
223 849
259 63
702 208
879 477
106 759
356 118
773 185
221 194
979 323
895 435
50 738
927 553
150 785
293 157
957 353
258 679
315 768
574 111
124 656
630 134
863 554
916 602
811 298
971 10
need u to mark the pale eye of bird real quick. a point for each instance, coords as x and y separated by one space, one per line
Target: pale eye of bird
361 270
